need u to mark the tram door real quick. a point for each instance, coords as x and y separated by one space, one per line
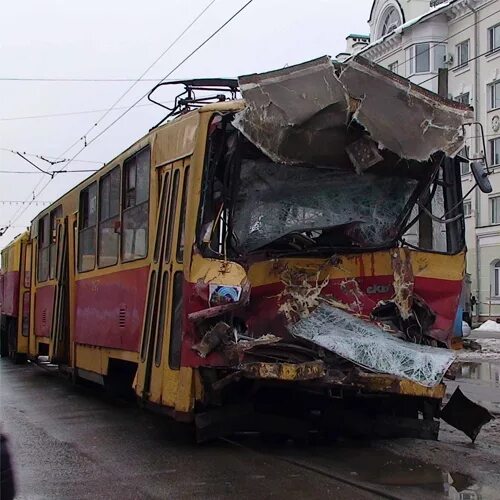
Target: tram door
59 345
159 373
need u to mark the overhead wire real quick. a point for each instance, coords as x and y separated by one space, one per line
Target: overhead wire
17 215
12 150
76 80
457 66
49 159
221 27
71 113
77 171
172 44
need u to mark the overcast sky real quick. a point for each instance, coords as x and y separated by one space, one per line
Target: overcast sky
120 39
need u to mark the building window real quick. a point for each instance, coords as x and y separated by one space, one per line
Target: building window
495 151
418 58
464 167
391 21
463 98
87 233
494 38
495 210
109 218
422 57
43 248
467 208
394 67
462 53
493 95
496 278
135 206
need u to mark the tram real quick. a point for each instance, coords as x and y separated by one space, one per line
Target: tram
199 267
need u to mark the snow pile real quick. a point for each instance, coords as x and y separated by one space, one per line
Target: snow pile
489 326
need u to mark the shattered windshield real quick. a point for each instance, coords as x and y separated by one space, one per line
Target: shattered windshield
323 206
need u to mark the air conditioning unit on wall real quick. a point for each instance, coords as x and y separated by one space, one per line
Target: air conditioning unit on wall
448 59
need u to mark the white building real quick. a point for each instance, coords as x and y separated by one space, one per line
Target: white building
415 38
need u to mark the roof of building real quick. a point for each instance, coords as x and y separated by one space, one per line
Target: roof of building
437 9
355 35
373 7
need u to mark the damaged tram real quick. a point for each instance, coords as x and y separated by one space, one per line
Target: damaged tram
289 261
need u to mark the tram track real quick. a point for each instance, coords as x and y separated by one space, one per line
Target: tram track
317 470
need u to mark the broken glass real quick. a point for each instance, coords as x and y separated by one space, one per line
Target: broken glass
369 346
275 200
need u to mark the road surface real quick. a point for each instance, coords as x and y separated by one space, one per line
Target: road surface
74 443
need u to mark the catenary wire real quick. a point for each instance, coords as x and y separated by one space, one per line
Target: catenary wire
18 214
76 80
78 171
458 66
71 113
47 157
194 51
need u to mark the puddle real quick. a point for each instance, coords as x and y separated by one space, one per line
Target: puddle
383 469
403 473
479 381
386 470
483 371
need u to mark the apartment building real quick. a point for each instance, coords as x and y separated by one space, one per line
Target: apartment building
415 38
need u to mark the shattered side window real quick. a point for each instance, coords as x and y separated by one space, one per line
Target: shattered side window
335 207
436 221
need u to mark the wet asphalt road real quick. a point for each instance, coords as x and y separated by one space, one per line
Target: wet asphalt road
73 442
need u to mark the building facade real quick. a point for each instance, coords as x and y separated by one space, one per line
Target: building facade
415 38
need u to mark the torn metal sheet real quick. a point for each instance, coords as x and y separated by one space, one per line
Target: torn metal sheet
371 347
401 116
216 336
307 113
235 350
308 370
465 415
296 114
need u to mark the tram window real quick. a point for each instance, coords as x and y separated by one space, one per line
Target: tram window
161 321
171 215
149 315
27 266
162 212
136 172
109 218
87 233
26 315
180 235
43 248
54 215
174 352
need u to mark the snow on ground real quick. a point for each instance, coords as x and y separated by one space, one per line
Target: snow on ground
490 349
488 326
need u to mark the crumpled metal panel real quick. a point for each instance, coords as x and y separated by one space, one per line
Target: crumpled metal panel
371 347
465 415
405 118
303 113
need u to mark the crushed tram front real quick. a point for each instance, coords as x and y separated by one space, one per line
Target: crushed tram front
329 255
